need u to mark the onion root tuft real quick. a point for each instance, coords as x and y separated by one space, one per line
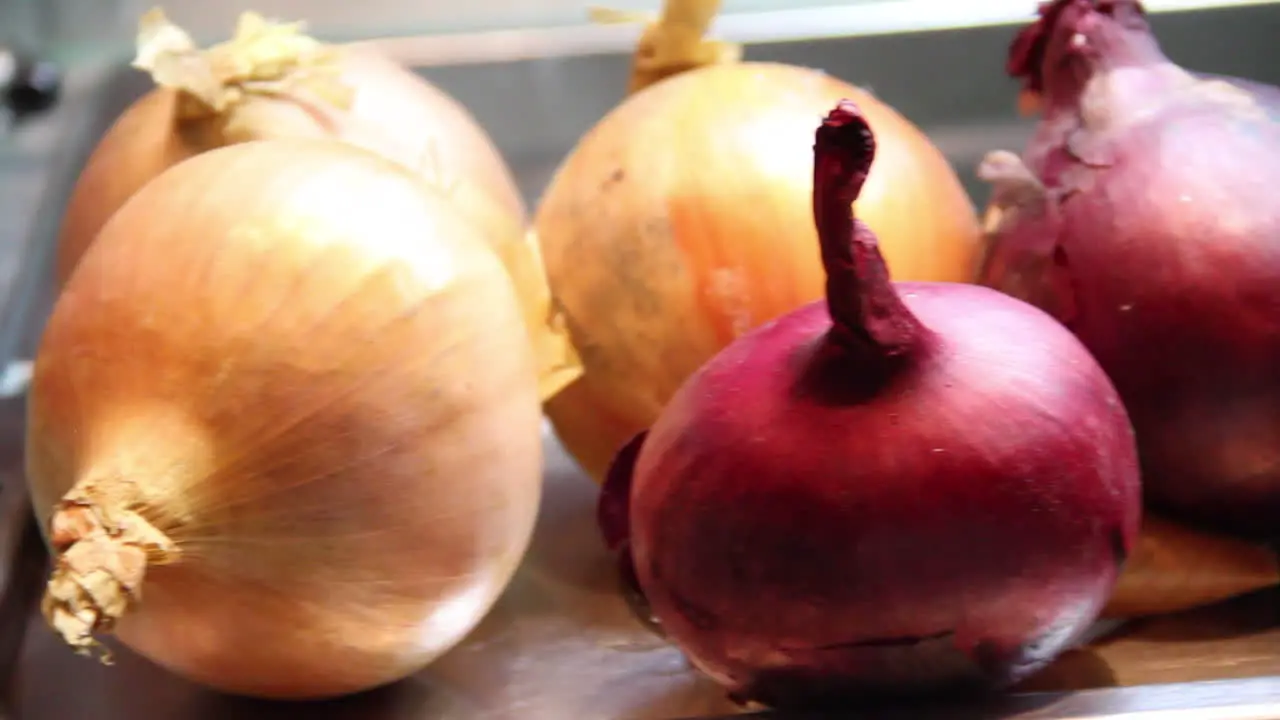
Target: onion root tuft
103 557
263 57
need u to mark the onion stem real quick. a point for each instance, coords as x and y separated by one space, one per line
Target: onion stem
866 311
677 42
262 58
1124 41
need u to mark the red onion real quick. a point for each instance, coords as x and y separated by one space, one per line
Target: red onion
1144 216
913 487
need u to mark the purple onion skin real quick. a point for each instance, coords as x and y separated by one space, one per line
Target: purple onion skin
934 493
1155 238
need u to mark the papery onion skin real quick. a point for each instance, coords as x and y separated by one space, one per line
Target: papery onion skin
667 233
307 373
932 492
1143 215
394 112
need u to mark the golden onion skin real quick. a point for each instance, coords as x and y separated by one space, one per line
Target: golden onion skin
307 374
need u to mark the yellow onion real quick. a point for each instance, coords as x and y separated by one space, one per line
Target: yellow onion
272 81
683 220
284 424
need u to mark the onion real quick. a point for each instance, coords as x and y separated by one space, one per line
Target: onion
913 487
284 424
271 81
1142 216
680 222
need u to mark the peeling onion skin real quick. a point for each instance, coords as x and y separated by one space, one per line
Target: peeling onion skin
1143 215
312 381
933 493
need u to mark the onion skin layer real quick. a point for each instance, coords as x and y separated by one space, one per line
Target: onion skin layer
933 493
306 373
1143 215
670 231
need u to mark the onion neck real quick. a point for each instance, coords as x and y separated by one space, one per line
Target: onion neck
673 43
867 314
103 550
263 58
1074 42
